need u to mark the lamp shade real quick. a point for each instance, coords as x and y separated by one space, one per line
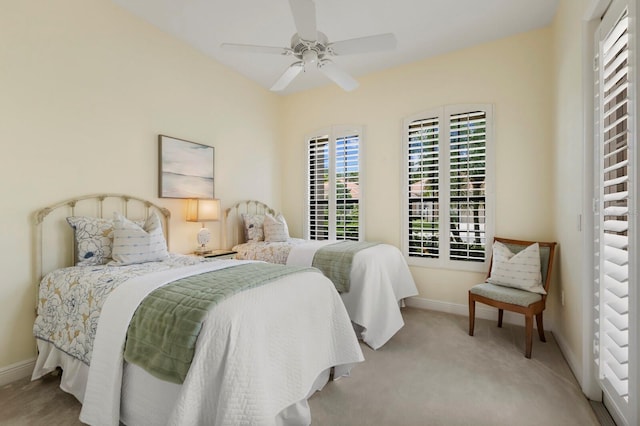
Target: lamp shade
203 210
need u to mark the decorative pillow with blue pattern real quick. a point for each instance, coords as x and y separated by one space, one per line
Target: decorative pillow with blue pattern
253 227
93 239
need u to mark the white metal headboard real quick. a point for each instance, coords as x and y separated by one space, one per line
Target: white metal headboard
54 243
233 225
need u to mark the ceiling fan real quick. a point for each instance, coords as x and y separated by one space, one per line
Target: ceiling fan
312 48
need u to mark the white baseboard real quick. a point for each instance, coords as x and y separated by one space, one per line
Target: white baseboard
16 371
568 354
614 410
481 312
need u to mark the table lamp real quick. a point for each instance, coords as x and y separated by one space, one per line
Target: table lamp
200 210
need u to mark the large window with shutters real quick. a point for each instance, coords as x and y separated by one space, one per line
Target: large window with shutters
334 185
615 198
448 187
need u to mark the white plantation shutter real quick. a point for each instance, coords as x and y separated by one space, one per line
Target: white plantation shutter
614 197
424 187
334 185
347 190
467 188
446 187
318 188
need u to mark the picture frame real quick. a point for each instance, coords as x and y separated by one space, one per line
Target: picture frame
186 169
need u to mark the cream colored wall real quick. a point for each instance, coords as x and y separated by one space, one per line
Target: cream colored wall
514 74
569 146
85 90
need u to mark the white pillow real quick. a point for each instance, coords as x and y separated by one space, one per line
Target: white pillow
253 230
521 271
134 244
275 228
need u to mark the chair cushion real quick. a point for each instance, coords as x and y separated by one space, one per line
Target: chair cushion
506 294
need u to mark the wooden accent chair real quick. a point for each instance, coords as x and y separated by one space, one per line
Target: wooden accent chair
516 300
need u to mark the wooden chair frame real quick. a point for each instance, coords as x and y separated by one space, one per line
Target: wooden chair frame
534 309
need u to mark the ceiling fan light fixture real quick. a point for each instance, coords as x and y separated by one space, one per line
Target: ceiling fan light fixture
309 57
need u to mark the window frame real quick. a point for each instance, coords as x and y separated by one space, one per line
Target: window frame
443 261
333 134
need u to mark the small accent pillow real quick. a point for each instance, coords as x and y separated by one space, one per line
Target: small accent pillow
93 239
135 244
521 271
253 227
275 228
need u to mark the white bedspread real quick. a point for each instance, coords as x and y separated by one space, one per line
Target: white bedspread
303 254
380 278
259 351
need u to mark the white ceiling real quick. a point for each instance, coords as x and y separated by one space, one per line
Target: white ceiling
423 28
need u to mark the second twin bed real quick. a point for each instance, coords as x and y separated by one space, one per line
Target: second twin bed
376 275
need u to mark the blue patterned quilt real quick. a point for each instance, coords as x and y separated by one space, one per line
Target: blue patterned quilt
71 299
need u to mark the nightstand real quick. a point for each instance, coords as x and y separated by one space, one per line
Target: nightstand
220 254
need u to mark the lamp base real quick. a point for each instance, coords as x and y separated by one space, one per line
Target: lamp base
202 250
204 236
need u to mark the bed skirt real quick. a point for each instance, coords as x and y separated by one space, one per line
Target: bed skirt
74 371
148 400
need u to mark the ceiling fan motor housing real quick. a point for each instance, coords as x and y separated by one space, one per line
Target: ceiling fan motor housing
309 52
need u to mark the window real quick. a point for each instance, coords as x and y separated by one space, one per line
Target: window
615 227
448 187
334 185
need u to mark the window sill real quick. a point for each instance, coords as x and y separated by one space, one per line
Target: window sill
452 265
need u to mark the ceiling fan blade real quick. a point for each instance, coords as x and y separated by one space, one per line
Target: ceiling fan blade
287 76
304 16
375 43
250 48
338 76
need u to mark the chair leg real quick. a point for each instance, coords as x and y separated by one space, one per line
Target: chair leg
500 314
540 327
472 314
529 337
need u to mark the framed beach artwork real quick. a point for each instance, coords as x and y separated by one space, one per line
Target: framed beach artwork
186 169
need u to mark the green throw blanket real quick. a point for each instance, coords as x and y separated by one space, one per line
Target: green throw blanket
163 331
334 260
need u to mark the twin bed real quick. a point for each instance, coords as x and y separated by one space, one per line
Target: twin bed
379 277
260 351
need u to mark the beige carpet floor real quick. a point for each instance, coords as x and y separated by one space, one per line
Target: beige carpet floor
431 373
